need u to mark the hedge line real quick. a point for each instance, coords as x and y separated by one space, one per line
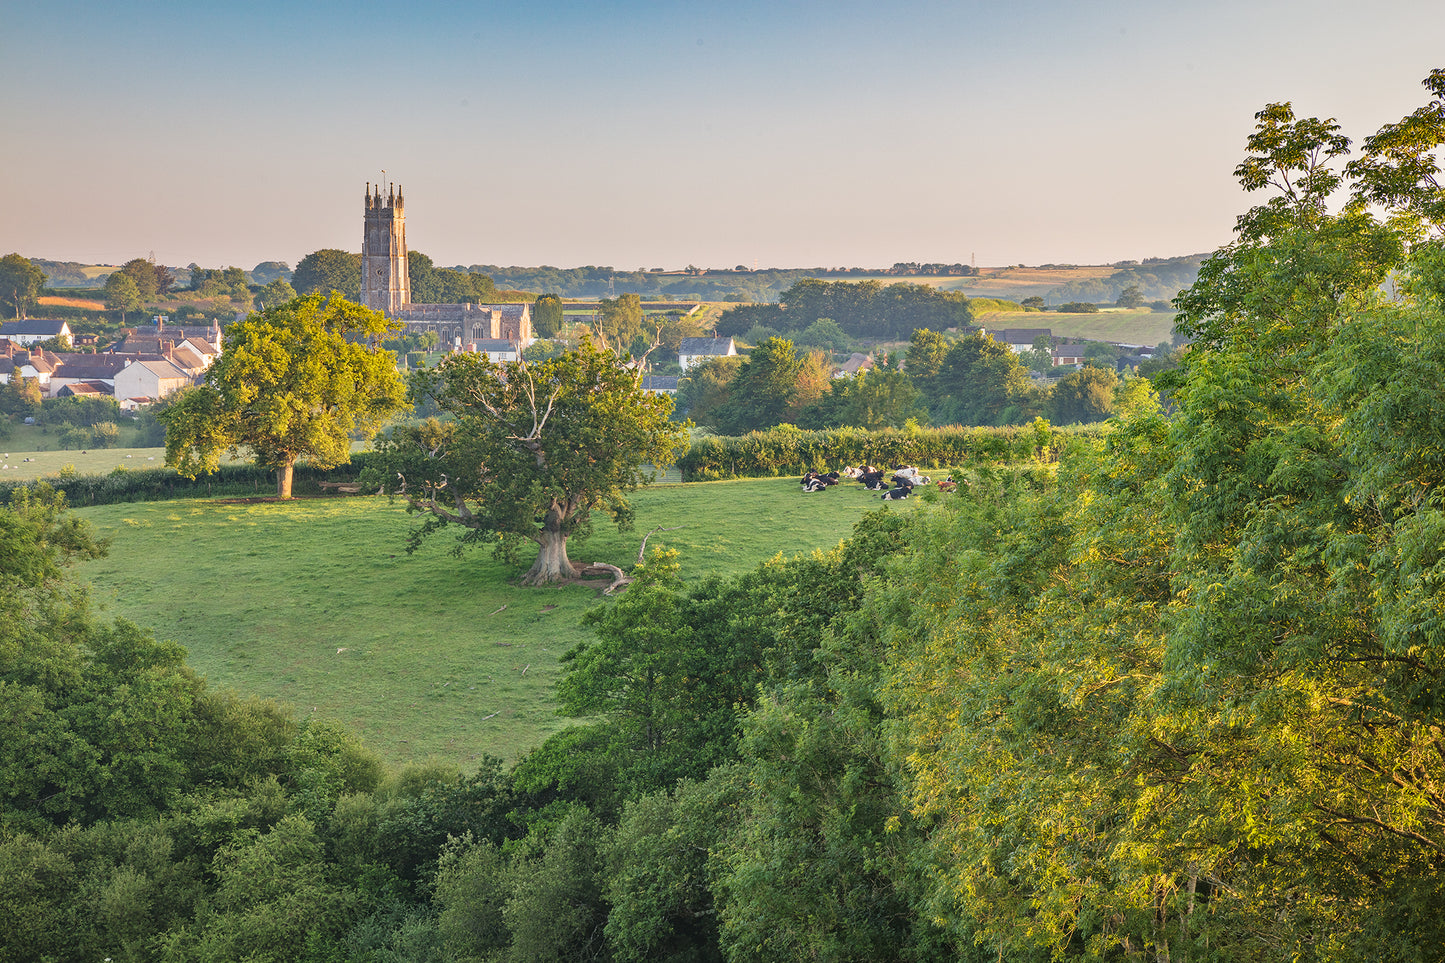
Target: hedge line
163 484
761 454
786 451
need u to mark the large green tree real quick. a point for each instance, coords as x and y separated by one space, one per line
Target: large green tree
295 381
980 382
547 318
20 283
121 294
327 270
531 452
150 278
771 387
1183 701
620 319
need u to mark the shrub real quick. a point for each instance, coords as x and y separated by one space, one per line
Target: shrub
105 434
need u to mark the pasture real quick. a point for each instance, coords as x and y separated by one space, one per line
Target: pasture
1125 325
314 603
30 455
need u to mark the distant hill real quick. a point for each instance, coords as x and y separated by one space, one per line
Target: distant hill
1159 279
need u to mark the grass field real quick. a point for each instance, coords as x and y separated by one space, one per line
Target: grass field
1137 326
89 461
315 603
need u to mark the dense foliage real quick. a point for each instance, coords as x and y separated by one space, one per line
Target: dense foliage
862 309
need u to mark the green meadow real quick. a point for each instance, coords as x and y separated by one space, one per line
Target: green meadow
316 604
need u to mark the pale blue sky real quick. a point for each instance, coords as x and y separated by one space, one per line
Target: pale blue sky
658 134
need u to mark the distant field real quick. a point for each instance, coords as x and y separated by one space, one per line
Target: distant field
83 303
1139 326
316 604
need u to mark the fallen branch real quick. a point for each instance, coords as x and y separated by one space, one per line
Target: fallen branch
619 577
641 552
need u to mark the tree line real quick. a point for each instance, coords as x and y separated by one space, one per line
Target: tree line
942 379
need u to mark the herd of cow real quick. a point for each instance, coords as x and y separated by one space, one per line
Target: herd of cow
904 479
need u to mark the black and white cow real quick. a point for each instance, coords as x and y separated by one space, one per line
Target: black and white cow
872 479
898 492
814 482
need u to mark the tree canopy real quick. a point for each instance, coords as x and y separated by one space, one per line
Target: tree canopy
547 317
20 283
294 382
532 452
121 294
327 270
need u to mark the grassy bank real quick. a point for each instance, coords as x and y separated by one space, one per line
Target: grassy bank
315 603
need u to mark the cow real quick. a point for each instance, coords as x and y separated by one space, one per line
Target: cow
814 482
872 479
909 474
898 492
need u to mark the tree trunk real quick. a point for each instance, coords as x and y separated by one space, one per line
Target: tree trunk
552 564
283 479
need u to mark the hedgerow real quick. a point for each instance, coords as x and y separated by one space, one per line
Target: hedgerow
162 484
783 451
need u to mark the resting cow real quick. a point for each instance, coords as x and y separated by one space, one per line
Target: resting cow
872 479
898 492
814 482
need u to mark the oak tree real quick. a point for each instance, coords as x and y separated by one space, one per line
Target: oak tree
294 381
20 283
531 452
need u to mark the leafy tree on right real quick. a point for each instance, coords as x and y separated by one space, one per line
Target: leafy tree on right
1201 668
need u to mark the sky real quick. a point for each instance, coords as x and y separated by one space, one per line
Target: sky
647 133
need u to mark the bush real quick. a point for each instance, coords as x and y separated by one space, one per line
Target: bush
105 434
84 411
1078 307
74 437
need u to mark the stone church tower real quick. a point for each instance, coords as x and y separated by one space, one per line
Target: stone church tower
384 283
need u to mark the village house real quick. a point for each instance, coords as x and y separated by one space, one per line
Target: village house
35 330
857 363
150 380
18 362
695 350
660 384
496 349
1020 340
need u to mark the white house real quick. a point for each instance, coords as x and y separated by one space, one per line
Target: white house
1020 340
496 349
695 350
32 331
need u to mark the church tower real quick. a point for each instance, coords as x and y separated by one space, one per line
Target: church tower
385 286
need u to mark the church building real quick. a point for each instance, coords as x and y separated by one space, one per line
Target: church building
386 288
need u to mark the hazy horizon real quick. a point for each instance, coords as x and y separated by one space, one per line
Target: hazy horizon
653 134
